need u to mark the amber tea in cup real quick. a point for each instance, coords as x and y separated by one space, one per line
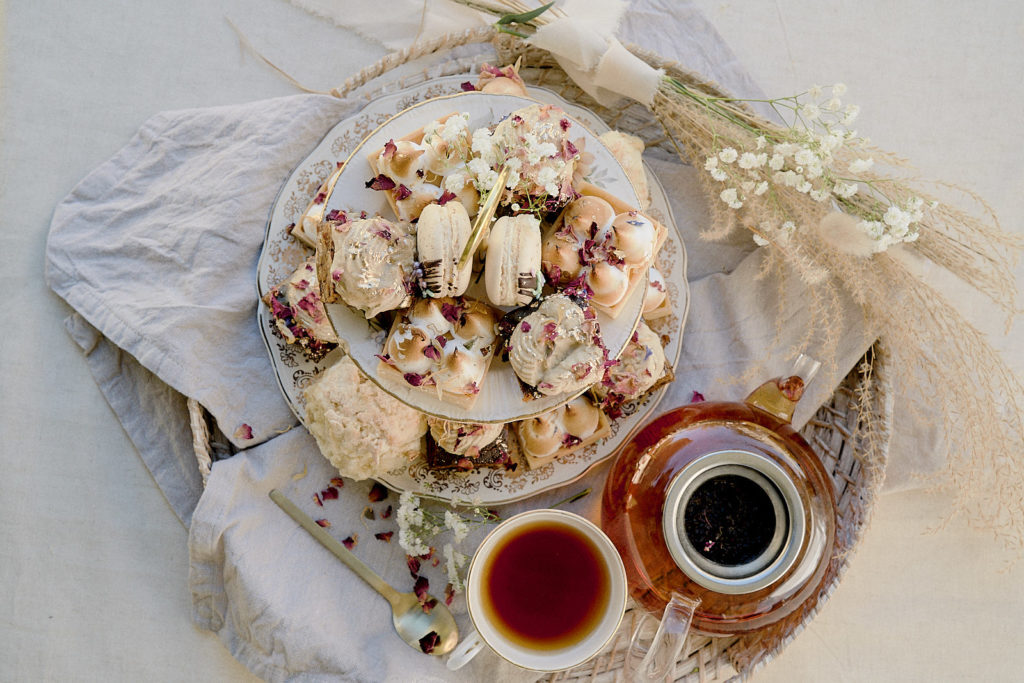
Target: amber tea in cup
545 585
546 591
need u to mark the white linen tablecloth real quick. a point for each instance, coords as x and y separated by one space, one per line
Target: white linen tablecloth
109 614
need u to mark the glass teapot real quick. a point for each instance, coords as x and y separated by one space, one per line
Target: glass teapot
724 515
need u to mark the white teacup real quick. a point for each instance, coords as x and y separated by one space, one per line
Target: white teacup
544 543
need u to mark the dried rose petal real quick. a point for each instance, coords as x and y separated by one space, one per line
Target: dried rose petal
368 513
450 312
336 216
569 441
378 492
442 340
243 432
337 481
319 198
421 587
432 353
390 148
351 541
381 182
429 642
413 378
413 564
464 464
446 197
449 594
468 86
428 605
386 513
384 536
385 358
329 493
471 389
697 397
525 326
435 561
324 523
402 192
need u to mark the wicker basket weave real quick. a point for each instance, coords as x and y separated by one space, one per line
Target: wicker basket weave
856 466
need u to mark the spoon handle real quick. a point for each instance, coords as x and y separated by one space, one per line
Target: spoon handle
336 548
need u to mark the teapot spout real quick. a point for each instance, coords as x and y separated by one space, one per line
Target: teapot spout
779 396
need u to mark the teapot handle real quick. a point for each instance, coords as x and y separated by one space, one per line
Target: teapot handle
654 658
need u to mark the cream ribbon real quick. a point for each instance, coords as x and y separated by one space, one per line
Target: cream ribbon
584 45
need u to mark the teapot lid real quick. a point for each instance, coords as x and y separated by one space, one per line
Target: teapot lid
733 521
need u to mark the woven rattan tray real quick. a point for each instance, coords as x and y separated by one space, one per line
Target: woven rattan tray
856 465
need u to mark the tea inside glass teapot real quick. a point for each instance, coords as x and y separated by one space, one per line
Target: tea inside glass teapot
725 506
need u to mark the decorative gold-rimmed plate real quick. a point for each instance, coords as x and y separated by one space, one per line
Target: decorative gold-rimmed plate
282 254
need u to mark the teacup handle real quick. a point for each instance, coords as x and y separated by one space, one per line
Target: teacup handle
469 647
654 659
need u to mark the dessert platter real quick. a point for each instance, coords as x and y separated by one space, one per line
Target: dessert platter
472 291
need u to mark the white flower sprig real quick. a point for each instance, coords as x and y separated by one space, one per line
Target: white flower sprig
806 157
419 525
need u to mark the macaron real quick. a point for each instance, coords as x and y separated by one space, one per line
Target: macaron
441 235
512 273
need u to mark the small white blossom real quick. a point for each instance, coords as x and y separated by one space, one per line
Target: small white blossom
761 188
453 562
832 105
762 142
730 197
804 186
839 89
852 111
760 241
747 185
814 91
804 156
458 525
711 163
776 162
719 175
750 160
845 190
728 155
861 165
820 194
811 111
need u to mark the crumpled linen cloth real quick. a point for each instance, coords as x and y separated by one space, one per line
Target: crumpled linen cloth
156 250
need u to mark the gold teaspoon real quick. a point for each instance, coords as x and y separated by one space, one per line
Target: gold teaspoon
412 623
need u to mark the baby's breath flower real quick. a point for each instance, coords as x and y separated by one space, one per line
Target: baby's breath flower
845 190
852 111
730 197
839 89
728 155
811 111
761 188
711 163
832 105
762 142
719 175
750 160
804 156
760 241
776 162
814 91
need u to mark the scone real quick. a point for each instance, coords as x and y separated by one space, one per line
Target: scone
577 424
298 313
512 274
557 348
640 368
441 234
443 346
359 428
367 263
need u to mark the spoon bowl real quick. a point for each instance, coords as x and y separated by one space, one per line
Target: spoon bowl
432 630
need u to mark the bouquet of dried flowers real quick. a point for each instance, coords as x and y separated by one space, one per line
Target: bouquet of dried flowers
850 222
